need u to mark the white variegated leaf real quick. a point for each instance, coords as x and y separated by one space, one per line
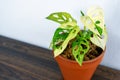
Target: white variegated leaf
101 42
96 13
87 21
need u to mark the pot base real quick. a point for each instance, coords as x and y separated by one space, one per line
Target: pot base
71 70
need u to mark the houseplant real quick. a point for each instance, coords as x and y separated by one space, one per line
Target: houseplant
79 52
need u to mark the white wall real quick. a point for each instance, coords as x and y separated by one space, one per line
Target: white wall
24 20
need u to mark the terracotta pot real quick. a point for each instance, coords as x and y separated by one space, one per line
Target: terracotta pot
71 70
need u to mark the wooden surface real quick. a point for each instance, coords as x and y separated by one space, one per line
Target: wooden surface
22 61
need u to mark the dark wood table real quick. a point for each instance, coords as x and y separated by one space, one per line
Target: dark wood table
22 61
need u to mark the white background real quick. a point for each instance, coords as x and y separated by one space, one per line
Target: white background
24 20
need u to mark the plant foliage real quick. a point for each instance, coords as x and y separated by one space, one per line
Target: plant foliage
69 30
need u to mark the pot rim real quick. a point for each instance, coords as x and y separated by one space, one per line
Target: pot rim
84 62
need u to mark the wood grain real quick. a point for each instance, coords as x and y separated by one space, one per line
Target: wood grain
22 61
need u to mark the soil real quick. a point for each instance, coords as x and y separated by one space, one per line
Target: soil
93 52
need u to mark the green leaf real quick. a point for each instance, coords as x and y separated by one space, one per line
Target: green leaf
72 34
79 48
61 17
59 36
66 31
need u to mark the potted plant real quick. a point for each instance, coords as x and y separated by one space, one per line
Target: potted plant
77 51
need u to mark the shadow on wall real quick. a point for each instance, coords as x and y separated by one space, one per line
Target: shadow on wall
112 56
